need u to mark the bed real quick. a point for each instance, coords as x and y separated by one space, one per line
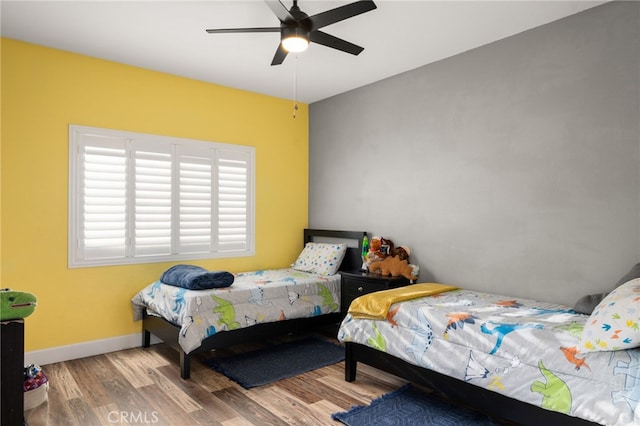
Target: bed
522 360
256 306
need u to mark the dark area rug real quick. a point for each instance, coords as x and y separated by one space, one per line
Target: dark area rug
273 363
410 406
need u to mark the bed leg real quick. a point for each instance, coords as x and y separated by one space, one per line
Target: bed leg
350 364
146 339
185 365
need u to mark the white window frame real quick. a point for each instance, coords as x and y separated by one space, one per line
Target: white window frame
216 218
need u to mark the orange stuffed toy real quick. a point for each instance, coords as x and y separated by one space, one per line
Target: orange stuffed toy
392 265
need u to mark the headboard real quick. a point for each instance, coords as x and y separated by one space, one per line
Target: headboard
353 258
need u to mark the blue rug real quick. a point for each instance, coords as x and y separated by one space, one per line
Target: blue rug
277 362
409 406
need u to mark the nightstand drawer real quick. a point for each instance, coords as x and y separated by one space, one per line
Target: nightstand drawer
358 288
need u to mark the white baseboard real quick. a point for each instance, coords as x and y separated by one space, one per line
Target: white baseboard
84 349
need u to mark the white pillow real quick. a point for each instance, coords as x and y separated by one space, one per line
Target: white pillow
615 322
320 258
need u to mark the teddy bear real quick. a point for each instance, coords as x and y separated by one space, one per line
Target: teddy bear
392 265
375 253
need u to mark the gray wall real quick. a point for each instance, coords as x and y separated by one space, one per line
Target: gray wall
511 168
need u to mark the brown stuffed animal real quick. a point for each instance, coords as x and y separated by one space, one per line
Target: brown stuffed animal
392 265
403 253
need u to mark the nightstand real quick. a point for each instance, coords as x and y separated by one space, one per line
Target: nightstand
12 372
356 283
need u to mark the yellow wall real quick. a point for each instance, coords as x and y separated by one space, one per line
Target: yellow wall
43 91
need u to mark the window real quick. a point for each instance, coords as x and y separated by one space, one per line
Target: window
138 198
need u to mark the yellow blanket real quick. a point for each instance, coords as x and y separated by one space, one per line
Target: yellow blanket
376 305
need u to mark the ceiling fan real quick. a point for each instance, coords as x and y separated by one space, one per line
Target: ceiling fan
297 29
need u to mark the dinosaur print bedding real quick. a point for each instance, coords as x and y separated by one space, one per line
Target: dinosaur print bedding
255 297
521 348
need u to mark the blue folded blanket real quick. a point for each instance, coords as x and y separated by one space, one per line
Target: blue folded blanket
196 278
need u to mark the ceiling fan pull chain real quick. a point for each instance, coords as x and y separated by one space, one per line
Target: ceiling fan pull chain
295 88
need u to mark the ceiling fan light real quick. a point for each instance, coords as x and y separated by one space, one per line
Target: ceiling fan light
295 43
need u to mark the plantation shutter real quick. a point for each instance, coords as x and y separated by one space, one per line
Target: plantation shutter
233 196
195 202
139 198
103 233
151 221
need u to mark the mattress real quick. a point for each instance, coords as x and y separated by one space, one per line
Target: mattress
521 348
255 297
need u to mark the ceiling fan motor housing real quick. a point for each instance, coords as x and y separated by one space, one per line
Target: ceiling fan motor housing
294 30
299 27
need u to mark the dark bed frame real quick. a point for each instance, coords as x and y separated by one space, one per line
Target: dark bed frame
482 399
168 332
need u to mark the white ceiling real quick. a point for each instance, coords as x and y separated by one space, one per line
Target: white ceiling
169 36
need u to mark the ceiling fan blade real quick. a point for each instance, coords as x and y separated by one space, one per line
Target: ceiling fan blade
278 58
245 30
279 10
335 42
340 13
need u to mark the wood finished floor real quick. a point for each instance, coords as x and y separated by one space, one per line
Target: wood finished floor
143 386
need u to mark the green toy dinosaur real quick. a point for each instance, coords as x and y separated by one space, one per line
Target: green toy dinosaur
16 304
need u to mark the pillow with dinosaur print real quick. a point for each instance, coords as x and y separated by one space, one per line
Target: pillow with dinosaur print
615 322
320 258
